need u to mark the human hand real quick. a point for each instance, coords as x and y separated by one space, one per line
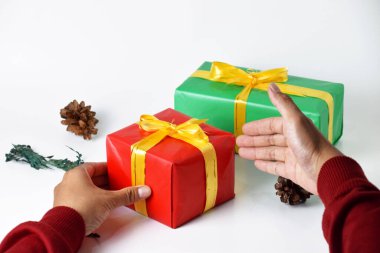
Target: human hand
289 146
81 189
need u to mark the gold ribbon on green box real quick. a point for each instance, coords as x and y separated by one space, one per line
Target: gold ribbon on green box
189 132
223 72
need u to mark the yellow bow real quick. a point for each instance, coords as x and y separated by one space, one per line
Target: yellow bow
189 129
223 72
189 132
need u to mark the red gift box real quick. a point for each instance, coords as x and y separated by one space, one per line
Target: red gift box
174 169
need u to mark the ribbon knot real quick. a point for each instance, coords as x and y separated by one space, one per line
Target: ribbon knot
253 82
189 129
223 72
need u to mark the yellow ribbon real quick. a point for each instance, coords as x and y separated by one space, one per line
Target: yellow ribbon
189 132
223 72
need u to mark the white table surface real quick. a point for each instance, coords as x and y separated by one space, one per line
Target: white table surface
126 58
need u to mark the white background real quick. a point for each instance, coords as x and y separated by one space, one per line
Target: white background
126 58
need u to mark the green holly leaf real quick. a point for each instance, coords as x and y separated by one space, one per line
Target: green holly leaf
24 153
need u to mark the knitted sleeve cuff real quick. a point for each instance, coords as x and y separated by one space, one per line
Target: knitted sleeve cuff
338 172
67 223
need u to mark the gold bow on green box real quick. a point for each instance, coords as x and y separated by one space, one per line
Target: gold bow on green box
229 96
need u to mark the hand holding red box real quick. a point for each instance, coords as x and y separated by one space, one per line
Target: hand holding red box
175 167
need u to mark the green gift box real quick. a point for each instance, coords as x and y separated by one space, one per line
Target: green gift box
214 100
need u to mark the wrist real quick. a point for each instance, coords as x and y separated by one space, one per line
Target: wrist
326 153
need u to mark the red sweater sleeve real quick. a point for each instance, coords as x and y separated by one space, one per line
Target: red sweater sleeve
351 222
61 229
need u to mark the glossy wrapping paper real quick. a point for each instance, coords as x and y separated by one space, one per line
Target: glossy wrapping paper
202 98
175 170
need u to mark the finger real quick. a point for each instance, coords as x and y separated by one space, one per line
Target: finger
275 168
283 102
129 195
264 126
95 169
261 141
100 180
271 153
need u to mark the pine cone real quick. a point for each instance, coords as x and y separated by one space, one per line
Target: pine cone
79 119
290 193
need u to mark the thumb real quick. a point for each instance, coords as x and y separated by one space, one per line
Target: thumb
128 195
283 102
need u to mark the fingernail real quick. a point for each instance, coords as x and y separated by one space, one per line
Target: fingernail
144 191
274 88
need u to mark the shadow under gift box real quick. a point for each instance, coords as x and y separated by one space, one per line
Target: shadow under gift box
175 170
